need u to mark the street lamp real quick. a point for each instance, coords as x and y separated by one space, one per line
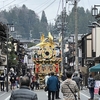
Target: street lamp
95 10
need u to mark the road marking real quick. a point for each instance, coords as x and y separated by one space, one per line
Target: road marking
85 95
2 94
7 98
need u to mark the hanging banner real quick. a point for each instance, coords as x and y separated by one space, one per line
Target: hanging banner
57 68
37 68
97 85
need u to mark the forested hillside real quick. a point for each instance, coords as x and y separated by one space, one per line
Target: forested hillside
27 22
84 18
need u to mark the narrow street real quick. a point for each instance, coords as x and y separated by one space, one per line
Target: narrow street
50 41
42 95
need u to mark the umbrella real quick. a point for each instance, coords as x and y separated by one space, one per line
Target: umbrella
95 68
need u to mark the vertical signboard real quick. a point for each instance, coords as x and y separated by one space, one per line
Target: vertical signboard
97 85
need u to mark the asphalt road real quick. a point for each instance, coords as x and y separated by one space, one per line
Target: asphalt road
42 95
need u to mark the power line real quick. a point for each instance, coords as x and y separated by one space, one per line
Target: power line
7 4
12 2
51 19
4 0
58 7
42 5
21 2
88 3
57 11
47 6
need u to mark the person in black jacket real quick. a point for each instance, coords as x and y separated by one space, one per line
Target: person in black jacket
91 85
2 81
52 85
77 79
12 80
24 92
58 90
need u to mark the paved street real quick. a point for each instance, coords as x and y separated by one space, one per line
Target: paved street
42 95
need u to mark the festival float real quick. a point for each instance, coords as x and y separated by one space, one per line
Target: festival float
47 58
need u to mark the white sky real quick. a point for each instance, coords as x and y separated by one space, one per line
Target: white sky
39 5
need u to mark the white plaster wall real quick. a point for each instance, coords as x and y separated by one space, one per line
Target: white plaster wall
94 39
97 41
89 36
89 49
89 46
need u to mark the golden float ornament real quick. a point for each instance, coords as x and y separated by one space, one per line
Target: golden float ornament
47 53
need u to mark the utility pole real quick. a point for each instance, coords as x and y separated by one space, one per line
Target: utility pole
7 32
9 29
62 33
62 43
76 38
76 35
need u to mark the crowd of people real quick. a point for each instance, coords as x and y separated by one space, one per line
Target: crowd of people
13 81
24 92
69 85
54 85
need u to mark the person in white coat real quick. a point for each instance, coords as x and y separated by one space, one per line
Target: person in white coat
46 78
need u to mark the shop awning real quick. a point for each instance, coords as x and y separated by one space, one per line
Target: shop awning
95 68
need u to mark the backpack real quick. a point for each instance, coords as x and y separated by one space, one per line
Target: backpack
12 79
91 83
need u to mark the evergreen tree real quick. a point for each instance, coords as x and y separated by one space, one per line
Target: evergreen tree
25 20
83 19
44 24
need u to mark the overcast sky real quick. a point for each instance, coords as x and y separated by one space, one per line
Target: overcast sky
52 8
